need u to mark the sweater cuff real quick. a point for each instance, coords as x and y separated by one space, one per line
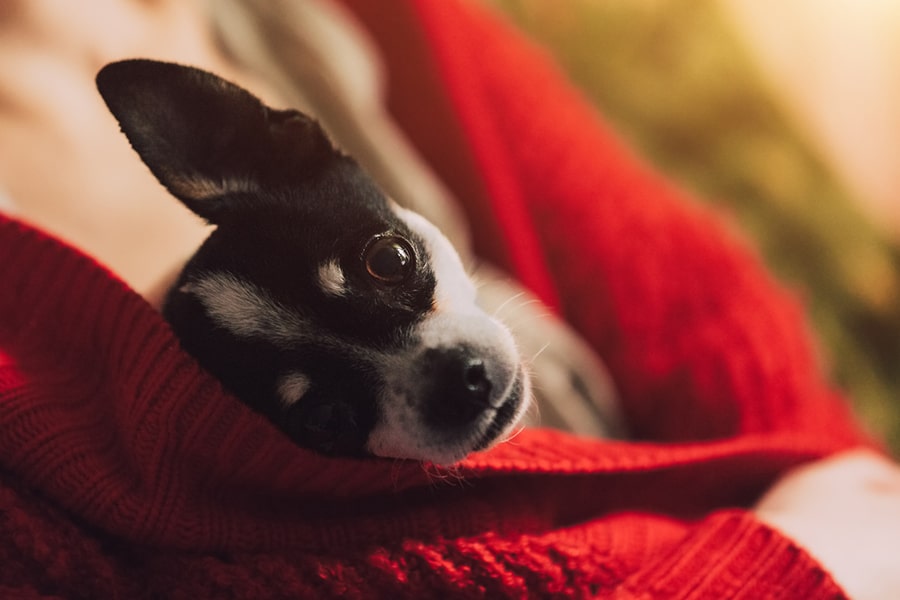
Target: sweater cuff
752 561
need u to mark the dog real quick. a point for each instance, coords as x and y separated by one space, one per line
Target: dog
347 321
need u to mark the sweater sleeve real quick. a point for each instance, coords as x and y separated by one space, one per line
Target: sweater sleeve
726 555
700 339
730 555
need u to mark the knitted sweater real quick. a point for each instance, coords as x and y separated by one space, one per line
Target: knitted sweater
127 472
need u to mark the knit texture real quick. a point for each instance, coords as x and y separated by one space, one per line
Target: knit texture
126 471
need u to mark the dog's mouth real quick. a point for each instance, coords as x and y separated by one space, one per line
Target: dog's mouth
506 415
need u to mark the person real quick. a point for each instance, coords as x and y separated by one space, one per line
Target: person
126 471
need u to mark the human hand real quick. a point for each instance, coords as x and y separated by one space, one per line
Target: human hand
845 511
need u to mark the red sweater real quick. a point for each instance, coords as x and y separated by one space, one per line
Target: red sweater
126 471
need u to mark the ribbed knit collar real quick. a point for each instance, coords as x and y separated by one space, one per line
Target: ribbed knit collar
106 415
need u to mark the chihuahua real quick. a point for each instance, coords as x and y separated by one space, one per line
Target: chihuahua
346 320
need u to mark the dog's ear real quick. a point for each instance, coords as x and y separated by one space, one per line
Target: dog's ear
209 141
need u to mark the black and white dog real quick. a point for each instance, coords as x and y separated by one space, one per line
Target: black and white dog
345 319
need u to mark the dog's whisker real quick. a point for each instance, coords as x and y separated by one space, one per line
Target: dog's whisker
506 302
528 302
514 314
539 352
523 304
396 468
431 473
455 476
447 475
533 412
511 439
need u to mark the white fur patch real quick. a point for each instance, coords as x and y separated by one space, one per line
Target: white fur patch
331 278
246 310
454 290
292 387
456 321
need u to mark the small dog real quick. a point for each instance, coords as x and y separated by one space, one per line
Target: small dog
346 320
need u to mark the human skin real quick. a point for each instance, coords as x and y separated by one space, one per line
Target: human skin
845 511
64 163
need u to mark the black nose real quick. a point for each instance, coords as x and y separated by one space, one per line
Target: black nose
459 388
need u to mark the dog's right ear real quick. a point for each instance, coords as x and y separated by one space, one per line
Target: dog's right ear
208 141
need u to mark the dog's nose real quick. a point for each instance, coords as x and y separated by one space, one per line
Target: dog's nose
460 388
475 379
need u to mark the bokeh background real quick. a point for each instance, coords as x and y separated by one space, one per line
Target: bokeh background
785 116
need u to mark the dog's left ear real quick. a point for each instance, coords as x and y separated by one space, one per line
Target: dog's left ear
207 140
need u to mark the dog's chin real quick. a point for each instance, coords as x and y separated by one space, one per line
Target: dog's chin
400 439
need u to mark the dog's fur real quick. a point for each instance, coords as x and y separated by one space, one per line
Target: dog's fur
345 319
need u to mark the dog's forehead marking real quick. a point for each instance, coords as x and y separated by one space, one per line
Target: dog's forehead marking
331 278
456 318
292 387
246 310
454 290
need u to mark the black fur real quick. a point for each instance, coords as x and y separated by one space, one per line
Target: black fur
277 247
186 122
285 201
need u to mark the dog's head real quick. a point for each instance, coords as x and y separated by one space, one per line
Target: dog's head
345 319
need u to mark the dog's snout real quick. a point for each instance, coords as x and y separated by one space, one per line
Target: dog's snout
475 378
460 387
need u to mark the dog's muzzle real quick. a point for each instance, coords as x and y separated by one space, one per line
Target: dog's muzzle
462 386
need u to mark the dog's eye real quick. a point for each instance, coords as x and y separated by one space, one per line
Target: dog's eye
389 259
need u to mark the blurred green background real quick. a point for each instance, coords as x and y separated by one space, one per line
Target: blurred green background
679 85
